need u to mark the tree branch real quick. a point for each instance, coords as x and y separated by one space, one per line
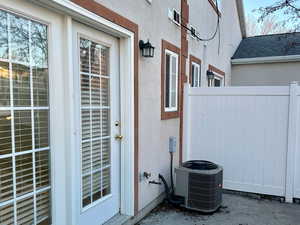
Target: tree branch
288 3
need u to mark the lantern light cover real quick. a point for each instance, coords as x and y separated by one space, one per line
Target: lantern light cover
147 49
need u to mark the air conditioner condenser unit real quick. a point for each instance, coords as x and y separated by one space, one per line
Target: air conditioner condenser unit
200 184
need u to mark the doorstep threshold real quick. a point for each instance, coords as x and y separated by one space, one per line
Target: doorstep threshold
118 220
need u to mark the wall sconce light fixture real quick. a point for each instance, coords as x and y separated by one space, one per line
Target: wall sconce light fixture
210 77
147 49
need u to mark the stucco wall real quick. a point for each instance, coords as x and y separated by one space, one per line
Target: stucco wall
204 19
155 25
276 74
153 132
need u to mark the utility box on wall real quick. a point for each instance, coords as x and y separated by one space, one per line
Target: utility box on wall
172 144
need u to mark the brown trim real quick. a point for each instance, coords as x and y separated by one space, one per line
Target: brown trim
110 15
107 13
216 70
195 60
185 11
168 46
215 7
183 78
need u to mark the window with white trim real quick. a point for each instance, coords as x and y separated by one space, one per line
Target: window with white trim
24 122
196 75
171 81
218 81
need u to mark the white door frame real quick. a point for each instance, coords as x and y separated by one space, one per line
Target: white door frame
56 102
126 108
127 100
63 209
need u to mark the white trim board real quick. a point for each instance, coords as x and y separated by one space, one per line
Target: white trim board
240 91
84 16
64 87
262 60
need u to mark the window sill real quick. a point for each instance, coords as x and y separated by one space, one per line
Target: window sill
212 3
169 115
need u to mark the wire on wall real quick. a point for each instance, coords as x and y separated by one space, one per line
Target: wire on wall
217 30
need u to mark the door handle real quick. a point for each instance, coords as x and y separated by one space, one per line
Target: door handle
119 137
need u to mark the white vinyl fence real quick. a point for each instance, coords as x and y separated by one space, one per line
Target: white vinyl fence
253 132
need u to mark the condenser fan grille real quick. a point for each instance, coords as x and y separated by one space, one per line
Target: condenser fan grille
200 183
204 191
200 165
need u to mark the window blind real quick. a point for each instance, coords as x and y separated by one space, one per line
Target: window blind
24 122
95 121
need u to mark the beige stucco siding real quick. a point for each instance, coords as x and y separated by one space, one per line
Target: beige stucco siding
155 25
276 74
204 19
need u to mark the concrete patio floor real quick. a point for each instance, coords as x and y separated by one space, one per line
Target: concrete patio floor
236 210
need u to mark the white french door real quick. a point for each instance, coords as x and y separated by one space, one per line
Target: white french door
96 72
25 186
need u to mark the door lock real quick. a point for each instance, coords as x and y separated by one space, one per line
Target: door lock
119 137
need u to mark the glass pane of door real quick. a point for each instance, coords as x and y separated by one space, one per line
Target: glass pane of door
95 122
24 122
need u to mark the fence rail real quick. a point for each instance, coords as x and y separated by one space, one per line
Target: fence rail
253 132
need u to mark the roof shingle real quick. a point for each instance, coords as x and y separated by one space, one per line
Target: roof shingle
268 46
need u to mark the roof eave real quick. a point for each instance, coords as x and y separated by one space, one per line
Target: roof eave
271 59
241 14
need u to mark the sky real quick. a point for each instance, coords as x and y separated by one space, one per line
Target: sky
250 5
254 4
